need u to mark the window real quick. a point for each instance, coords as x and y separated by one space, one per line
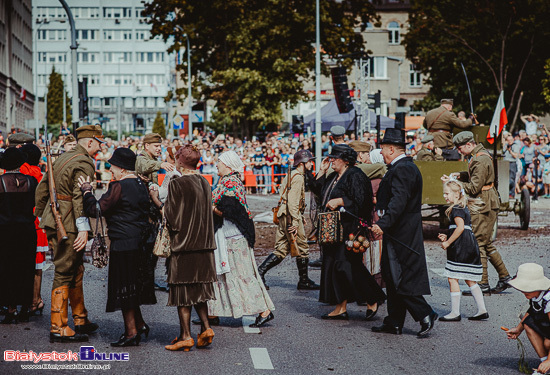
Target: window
140 102
117 34
377 67
128 102
117 12
415 77
150 57
393 28
143 35
151 80
87 57
117 57
116 80
50 12
107 102
150 102
85 12
138 12
93 79
95 102
87 34
52 34
369 26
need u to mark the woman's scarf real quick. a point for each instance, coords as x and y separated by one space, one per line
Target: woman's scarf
231 186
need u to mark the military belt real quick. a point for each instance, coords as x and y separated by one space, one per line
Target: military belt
66 198
487 187
438 131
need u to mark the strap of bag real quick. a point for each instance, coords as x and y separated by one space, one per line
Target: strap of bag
99 221
438 116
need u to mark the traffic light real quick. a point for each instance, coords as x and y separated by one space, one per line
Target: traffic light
297 124
83 96
376 98
400 120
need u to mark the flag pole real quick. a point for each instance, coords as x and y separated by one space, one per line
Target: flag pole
495 164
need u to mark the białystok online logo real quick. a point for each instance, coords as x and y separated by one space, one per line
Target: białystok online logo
87 353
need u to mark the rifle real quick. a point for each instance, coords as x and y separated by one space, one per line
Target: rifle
61 233
294 252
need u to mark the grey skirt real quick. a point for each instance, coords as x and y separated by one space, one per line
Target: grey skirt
191 277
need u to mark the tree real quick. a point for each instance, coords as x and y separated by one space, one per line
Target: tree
254 55
55 99
546 82
502 44
158 125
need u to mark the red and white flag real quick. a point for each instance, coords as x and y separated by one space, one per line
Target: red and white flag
154 86
23 94
500 120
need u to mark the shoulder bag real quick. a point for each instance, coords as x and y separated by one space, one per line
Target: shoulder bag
100 256
162 247
330 228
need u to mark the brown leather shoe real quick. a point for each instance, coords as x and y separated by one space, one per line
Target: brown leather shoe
186 345
205 338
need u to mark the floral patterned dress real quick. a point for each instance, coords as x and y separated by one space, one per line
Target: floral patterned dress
240 290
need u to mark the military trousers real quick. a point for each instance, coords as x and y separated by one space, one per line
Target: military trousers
66 259
282 240
482 225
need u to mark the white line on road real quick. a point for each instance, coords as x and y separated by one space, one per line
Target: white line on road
260 359
248 320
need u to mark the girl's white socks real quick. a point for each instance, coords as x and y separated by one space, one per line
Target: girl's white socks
478 297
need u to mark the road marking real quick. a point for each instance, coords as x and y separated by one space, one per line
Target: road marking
260 359
438 271
248 320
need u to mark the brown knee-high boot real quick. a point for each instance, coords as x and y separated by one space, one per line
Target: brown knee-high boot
76 299
59 330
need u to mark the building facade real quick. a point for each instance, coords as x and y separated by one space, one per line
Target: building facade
16 81
127 71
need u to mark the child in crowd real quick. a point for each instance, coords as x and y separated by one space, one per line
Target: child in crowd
463 259
546 175
530 280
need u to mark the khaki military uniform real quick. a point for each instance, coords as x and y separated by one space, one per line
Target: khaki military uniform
479 183
440 123
69 268
294 199
427 155
373 171
148 167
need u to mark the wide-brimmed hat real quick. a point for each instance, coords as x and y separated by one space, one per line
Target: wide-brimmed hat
33 153
302 156
12 159
530 278
393 136
343 152
188 156
124 158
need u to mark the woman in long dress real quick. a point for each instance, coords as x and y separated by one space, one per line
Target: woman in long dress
239 288
192 269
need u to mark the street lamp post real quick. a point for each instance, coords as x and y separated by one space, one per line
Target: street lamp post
189 93
119 99
318 129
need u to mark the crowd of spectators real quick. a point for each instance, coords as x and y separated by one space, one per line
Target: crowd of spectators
267 159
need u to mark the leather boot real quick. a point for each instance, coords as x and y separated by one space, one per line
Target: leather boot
501 286
305 282
319 262
271 261
76 299
59 330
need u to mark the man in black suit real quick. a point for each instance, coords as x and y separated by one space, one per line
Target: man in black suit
404 270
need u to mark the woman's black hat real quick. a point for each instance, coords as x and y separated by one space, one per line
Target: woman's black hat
12 159
343 152
393 136
124 158
33 153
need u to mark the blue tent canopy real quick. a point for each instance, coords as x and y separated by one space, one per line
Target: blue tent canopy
330 116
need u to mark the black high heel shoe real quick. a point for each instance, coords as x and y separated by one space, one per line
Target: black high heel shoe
261 320
127 341
11 318
38 309
144 330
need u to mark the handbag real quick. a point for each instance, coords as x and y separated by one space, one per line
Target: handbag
162 246
330 228
100 257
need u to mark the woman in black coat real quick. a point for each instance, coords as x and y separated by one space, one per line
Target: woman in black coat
344 277
125 207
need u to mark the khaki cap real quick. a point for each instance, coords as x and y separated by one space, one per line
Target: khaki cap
70 138
462 138
90 131
360 146
427 138
152 138
20 139
447 101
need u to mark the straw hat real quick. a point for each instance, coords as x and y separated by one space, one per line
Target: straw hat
530 278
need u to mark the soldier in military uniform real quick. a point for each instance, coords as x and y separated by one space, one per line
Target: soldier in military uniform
19 139
479 181
373 171
291 222
440 123
68 255
147 164
69 143
429 152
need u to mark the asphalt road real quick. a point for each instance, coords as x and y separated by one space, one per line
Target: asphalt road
297 341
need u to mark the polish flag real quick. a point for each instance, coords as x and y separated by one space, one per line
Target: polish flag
500 120
23 94
154 86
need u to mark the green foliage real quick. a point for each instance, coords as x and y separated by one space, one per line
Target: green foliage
158 125
502 44
220 122
254 55
546 82
55 99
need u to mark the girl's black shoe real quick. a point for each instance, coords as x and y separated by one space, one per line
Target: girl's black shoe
127 341
261 320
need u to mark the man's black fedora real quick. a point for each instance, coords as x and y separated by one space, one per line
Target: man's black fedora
393 136
12 158
124 158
